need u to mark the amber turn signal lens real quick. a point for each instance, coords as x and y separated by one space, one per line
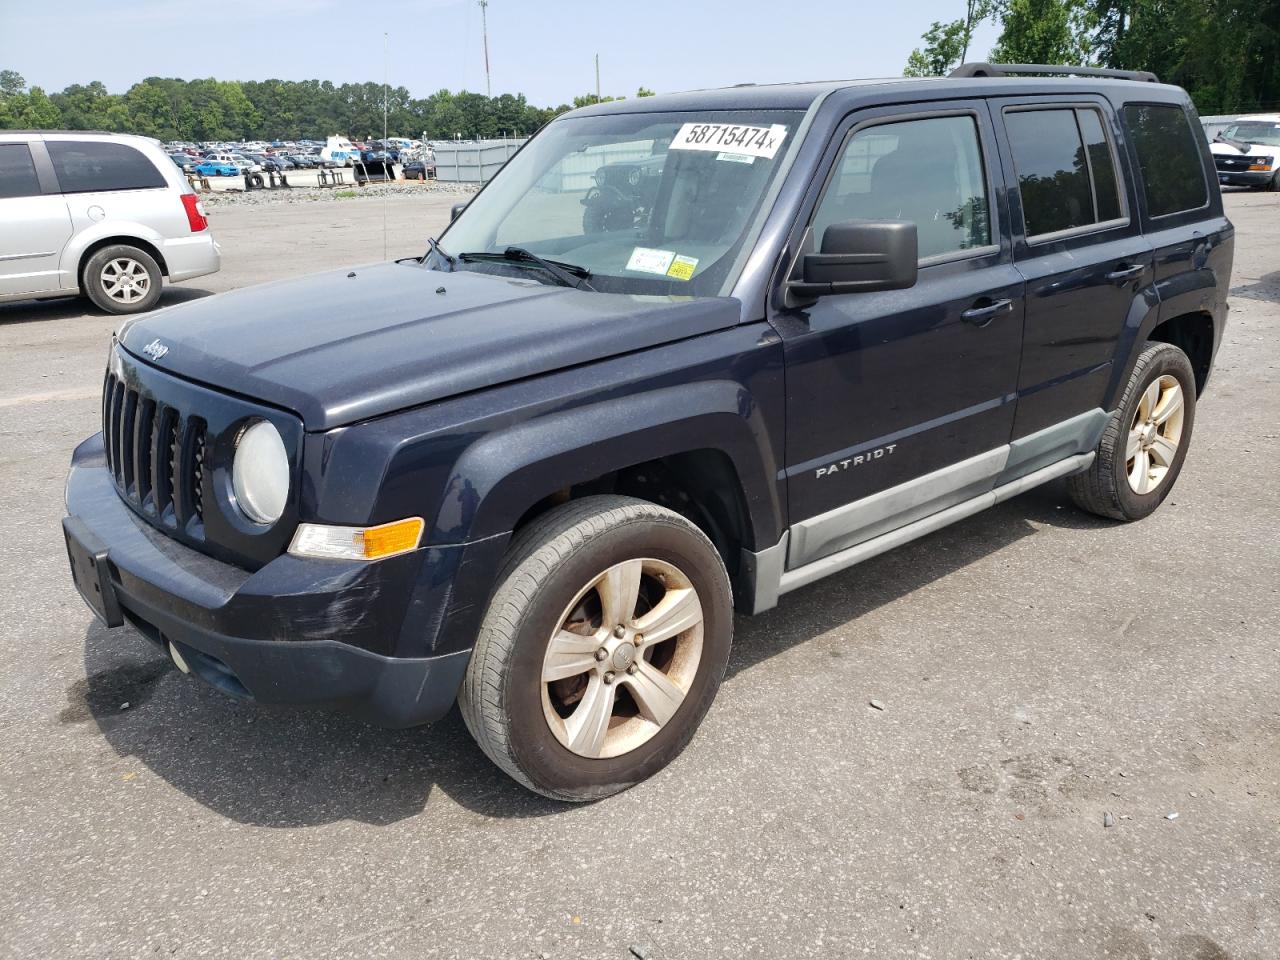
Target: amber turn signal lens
397 537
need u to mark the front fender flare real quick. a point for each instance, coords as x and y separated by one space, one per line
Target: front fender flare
504 473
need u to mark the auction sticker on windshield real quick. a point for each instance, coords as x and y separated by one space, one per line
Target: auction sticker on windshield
646 260
731 138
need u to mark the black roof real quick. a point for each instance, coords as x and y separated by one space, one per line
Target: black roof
800 96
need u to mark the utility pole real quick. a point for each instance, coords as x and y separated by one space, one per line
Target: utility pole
484 26
597 76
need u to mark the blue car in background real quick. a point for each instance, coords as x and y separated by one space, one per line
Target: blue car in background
216 168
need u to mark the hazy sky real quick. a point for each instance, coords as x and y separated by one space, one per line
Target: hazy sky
542 48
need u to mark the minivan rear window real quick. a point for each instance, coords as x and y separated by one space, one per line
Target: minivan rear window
1168 156
17 172
89 166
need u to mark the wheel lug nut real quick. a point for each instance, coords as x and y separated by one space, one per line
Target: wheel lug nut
619 631
601 653
633 669
609 677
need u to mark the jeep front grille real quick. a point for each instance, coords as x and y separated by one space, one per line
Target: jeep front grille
156 453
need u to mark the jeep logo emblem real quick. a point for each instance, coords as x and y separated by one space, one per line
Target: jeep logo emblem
155 349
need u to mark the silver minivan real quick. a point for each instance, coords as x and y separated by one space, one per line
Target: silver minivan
106 215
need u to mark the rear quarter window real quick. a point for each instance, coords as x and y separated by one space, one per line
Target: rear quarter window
1168 156
89 166
17 172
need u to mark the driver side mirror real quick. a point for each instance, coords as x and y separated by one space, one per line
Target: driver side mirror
457 209
860 256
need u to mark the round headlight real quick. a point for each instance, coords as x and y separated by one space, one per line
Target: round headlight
260 473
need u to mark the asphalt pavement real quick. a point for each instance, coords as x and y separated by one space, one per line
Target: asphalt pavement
1039 669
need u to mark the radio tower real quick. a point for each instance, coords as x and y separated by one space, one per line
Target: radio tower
484 26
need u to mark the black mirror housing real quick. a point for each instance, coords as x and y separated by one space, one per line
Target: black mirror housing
861 256
456 209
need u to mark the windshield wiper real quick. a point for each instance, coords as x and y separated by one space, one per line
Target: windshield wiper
434 246
565 274
1231 142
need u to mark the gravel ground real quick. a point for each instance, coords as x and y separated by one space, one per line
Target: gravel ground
1038 670
415 189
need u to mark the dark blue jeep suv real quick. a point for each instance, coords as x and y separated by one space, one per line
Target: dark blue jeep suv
683 355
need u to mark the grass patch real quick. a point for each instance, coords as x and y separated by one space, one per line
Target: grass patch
345 194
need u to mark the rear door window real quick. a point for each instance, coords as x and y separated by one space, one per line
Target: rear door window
90 166
1065 168
1168 156
17 172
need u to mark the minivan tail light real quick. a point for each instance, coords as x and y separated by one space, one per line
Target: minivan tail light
195 212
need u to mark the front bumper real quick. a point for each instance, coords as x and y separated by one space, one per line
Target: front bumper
1244 178
300 632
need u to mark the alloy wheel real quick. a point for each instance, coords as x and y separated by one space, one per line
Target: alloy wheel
624 655
125 280
1154 434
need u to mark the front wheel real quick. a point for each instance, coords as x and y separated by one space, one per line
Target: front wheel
602 649
1143 447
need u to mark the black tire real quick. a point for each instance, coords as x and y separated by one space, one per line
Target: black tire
1274 183
94 287
547 566
1104 489
256 181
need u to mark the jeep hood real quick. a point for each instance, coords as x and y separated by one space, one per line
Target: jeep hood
345 346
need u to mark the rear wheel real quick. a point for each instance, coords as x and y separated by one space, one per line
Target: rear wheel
602 649
1143 447
122 279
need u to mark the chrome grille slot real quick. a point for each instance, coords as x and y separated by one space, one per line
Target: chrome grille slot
166 422
128 442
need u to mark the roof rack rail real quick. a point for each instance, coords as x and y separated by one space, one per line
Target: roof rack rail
1048 69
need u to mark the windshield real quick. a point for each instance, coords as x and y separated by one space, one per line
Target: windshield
1256 131
648 203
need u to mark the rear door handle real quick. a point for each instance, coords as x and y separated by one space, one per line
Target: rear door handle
1125 273
981 316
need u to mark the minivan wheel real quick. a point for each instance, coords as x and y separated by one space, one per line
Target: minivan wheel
602 648
1144 445
122 279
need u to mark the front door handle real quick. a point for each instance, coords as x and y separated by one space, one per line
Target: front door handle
1125 273
980 316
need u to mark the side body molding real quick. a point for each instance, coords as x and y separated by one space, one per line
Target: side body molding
840 538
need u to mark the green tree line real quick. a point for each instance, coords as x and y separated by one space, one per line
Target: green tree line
172 109
1226 53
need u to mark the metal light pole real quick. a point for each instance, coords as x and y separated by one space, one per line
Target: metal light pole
484 26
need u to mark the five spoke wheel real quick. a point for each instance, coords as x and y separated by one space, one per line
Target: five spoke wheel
622 659
1154 434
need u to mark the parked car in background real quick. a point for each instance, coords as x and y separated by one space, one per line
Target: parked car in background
419 170
183 162
105 215
216 168
1247 152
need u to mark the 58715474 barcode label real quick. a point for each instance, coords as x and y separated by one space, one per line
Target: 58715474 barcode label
731 138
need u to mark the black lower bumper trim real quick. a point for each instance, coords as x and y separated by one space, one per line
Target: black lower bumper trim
389 691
